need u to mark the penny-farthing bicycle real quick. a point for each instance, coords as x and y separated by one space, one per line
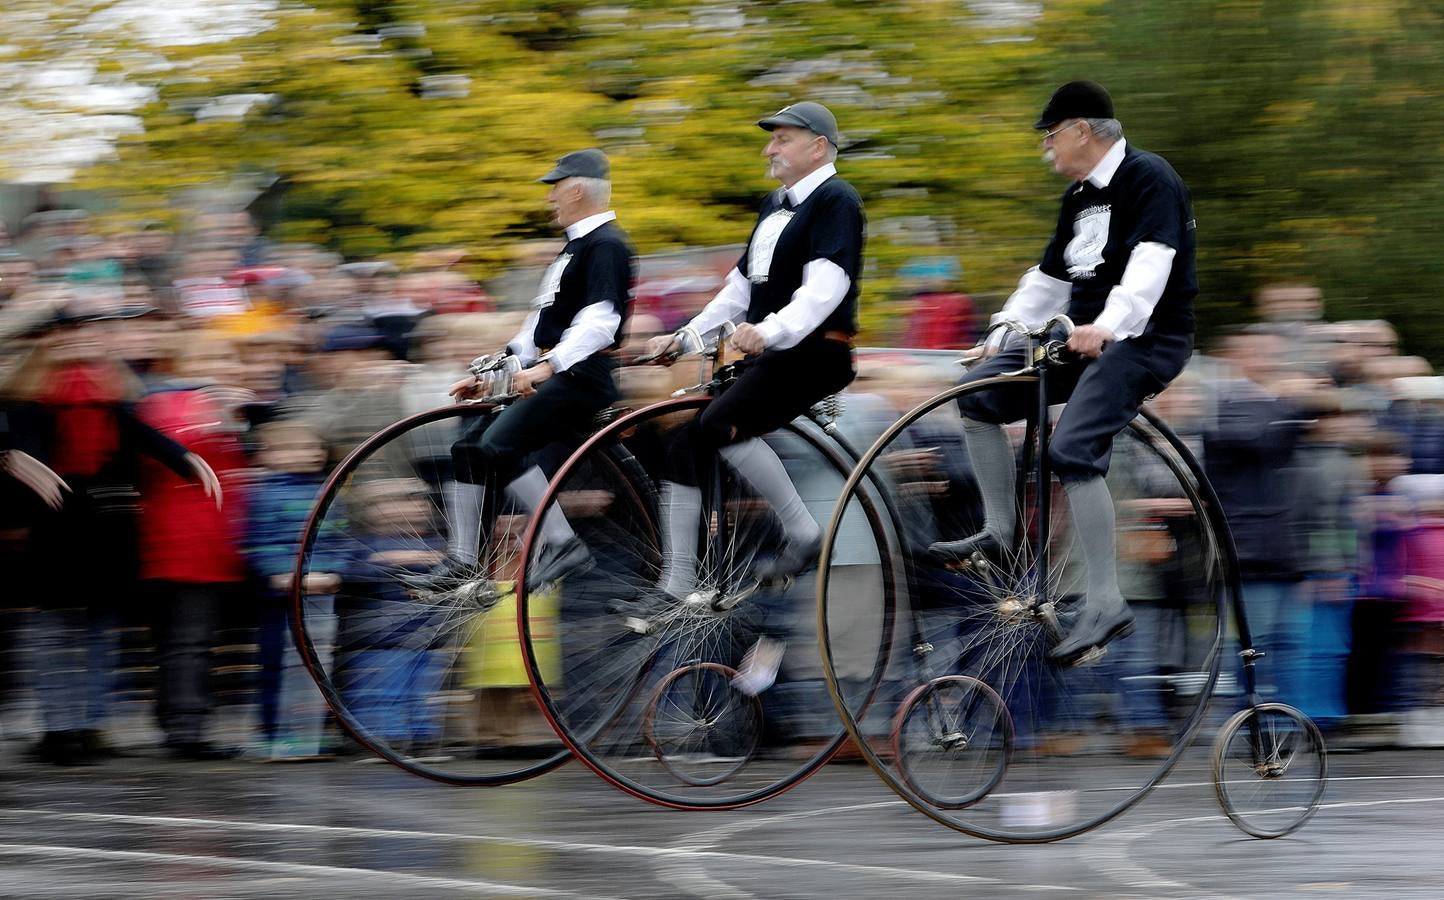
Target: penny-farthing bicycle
643 692
402 603
957 704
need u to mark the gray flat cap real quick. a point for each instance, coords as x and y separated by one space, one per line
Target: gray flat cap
813 116
581 164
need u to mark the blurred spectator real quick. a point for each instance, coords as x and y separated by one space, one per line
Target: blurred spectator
1248 453
190 544
204 290
941 319
1332 479
1386 519
293 459
72 402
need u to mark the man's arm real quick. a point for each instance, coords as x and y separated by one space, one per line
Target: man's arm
523 347
594 328
1131 302
1038 298
730 305
824 284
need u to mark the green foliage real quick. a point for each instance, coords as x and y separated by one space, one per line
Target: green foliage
1304 129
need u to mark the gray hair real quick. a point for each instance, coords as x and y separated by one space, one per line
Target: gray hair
1109 130
831 154
597 192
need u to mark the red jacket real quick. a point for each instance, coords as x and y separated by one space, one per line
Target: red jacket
183 537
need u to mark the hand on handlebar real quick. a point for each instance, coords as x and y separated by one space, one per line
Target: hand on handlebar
663 349
1089 340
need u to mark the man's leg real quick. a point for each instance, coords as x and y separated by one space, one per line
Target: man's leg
1106 398
991 454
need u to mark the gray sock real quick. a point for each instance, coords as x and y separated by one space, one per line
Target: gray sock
995 470
1094 525
528 490
681 517
463 517
755 462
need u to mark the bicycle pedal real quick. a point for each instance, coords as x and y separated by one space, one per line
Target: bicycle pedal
637 624
1091 657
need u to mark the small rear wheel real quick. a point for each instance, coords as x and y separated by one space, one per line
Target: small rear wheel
701 728
1269 769
952 741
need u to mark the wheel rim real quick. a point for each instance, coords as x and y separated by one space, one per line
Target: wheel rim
952 740
427 677
620 637
1270 769
701 728
1072 764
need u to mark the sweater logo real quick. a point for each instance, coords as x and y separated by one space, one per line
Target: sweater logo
1090 235
551 282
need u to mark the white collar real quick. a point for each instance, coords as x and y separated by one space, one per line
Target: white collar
1107 167
804 188
586 226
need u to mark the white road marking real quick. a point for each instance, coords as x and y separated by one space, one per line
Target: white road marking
261 865
1112 856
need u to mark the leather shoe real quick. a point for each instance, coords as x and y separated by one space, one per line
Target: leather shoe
557 561
1093 629
963 551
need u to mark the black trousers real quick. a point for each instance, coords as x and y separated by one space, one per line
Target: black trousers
771 390
1103 396
562 409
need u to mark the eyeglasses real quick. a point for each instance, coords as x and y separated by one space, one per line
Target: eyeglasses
1055 131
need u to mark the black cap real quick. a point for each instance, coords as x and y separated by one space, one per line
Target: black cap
813 116
581 164
1076 100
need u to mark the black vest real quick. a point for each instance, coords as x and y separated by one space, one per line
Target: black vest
598 266
829 224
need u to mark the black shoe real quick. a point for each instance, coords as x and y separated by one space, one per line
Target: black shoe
447 575
1093 629
202 751
61 748
796 558
557 561
95 745
968 550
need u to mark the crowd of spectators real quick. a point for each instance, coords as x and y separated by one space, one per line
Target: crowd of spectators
121 355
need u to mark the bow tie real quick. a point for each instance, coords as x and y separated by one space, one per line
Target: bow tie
786 200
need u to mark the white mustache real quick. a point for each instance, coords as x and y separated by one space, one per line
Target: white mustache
1049 156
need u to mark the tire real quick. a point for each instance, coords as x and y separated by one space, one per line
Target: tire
1088 742
1270 769
953 722
411 663
621 638
701 728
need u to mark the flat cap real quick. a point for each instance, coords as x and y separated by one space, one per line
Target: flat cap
813 116
1076 100
590 163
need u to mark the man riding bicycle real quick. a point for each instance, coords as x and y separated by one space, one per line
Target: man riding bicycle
795 291
1121 263
562 360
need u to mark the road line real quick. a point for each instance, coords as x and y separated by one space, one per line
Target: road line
260 865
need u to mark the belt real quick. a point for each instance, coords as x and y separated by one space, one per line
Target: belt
842 337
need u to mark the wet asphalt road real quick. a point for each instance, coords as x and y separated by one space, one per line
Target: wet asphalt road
147 827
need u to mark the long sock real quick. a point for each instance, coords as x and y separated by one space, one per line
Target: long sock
1093 523
681 518
463 516
528 490
995 470
755 461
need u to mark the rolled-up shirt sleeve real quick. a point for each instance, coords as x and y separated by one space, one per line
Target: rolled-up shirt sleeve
593 329
730 305
523 346
824 284
1038 298
1131 302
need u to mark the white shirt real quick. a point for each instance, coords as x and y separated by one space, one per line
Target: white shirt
1039 297
824 284
595 326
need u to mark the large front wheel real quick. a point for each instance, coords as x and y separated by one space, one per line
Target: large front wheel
1073 745
645 691
403 605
